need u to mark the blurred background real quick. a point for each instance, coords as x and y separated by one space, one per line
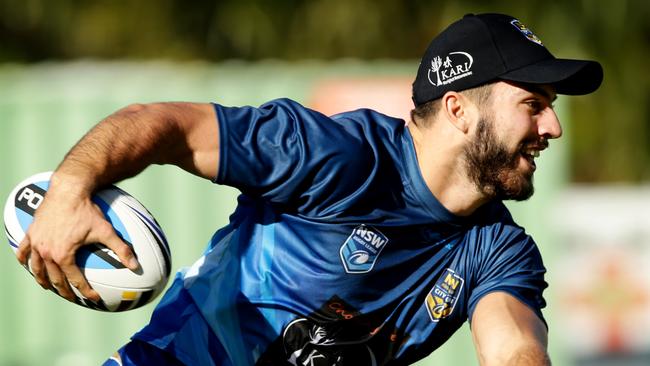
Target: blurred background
66 64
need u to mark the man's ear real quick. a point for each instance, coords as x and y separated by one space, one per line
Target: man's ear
457 109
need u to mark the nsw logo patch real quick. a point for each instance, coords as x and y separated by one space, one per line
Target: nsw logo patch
443 297
361 249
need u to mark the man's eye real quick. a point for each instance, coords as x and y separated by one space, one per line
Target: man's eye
535 106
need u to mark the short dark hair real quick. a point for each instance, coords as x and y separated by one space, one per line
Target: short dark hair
423 113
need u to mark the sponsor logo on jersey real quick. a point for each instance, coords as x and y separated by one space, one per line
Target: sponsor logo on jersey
336 334
361 249
332 335
307 343
442 298
526 32
454 66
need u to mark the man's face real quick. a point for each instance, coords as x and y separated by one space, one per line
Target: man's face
511 132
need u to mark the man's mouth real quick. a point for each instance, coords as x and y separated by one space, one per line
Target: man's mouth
530 153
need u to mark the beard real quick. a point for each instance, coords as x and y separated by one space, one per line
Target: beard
493 169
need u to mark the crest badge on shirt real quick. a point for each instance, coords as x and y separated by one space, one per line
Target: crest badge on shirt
361 249
443 297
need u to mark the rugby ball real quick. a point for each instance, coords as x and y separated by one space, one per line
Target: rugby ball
120 288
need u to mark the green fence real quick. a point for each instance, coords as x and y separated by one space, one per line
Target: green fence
45 109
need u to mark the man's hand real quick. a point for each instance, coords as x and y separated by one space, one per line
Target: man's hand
507 332
64 222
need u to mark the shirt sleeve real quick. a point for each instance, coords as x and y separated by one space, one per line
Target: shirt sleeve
289 154
511 263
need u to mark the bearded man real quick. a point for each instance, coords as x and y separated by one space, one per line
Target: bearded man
358 239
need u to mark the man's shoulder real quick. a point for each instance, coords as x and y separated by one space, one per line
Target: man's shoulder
496 223
366 115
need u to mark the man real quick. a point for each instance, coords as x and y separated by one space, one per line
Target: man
358 239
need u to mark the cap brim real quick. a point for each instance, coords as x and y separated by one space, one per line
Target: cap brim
571 77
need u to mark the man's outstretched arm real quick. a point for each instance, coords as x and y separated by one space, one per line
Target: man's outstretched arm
120 146
508 332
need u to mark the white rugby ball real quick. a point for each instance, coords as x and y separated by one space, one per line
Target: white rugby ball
120 288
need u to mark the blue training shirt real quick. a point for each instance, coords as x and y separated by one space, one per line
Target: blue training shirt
337 253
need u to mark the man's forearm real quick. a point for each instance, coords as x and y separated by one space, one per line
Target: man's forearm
526 356
522 354
120 146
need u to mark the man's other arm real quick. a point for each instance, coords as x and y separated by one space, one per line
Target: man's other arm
118 147
507 332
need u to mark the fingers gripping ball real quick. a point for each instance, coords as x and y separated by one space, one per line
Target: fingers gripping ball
120 288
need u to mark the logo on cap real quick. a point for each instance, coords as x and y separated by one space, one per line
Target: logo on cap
526 32
456 65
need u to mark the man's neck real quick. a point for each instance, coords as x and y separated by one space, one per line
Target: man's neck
441 164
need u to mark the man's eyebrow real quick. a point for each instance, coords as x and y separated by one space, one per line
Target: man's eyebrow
536 89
